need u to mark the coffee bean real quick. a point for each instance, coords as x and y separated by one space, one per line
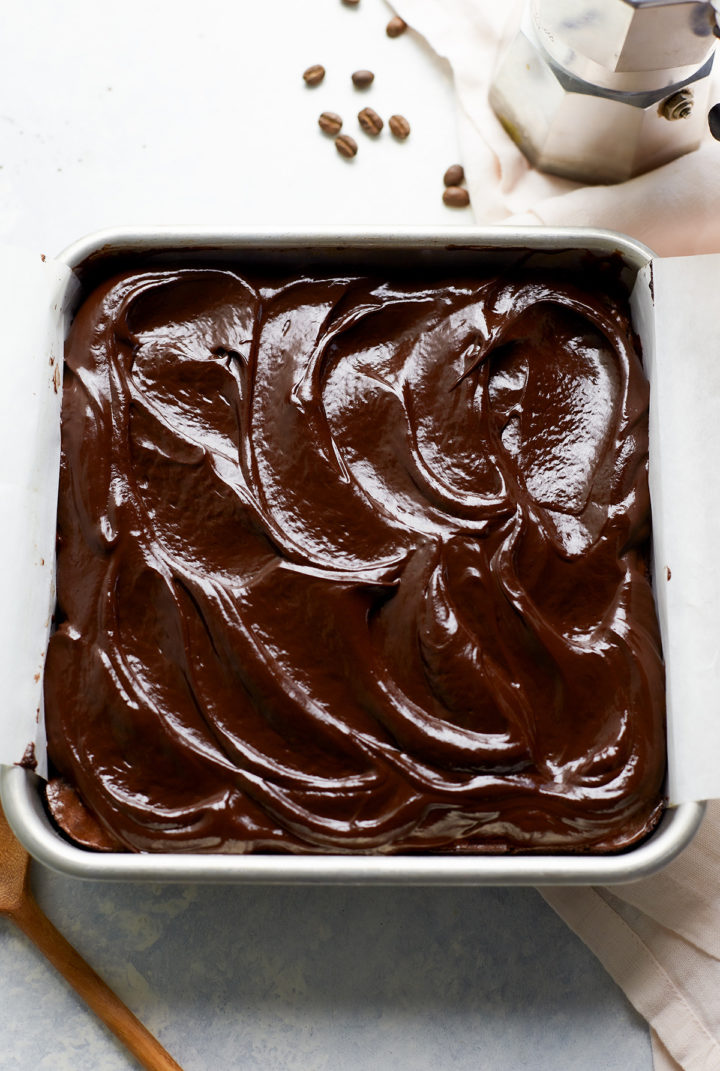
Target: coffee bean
351 3
330 123
346 145
399 126
370 121
456 197
362 79
454 175
314 75
396 26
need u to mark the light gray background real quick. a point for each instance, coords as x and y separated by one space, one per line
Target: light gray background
171 112
321 978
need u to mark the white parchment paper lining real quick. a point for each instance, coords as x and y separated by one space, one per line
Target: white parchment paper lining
674 310
33 292
681 349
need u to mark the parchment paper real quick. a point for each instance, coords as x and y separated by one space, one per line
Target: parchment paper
33 291
684 369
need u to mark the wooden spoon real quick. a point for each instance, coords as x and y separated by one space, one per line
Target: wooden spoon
17 902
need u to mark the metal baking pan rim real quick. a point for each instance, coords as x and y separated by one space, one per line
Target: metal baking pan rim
18 787
129 240
26 814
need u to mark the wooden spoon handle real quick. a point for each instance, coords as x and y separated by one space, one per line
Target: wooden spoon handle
91 988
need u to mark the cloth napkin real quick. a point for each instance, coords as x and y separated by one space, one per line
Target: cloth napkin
659 938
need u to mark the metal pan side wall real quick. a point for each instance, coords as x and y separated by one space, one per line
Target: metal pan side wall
99 255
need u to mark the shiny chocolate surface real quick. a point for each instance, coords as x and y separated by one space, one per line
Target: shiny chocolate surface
353 564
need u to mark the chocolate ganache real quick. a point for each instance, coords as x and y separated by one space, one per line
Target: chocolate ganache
354 564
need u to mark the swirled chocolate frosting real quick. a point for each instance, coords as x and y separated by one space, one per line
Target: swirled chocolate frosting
353 564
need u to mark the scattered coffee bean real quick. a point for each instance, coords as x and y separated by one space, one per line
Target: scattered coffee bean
456 197
314 75
454 175
351 3
346 145
396 26
362 79
330 123
399 126
370 121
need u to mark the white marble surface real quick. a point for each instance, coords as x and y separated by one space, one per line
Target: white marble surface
171 112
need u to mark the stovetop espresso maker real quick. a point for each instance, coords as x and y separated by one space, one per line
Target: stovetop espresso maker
602 90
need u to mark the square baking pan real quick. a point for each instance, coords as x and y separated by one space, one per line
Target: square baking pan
460 250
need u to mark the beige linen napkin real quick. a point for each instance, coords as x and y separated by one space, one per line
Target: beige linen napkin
659 938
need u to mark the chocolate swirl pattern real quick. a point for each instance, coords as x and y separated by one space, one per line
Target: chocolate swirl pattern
353 564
